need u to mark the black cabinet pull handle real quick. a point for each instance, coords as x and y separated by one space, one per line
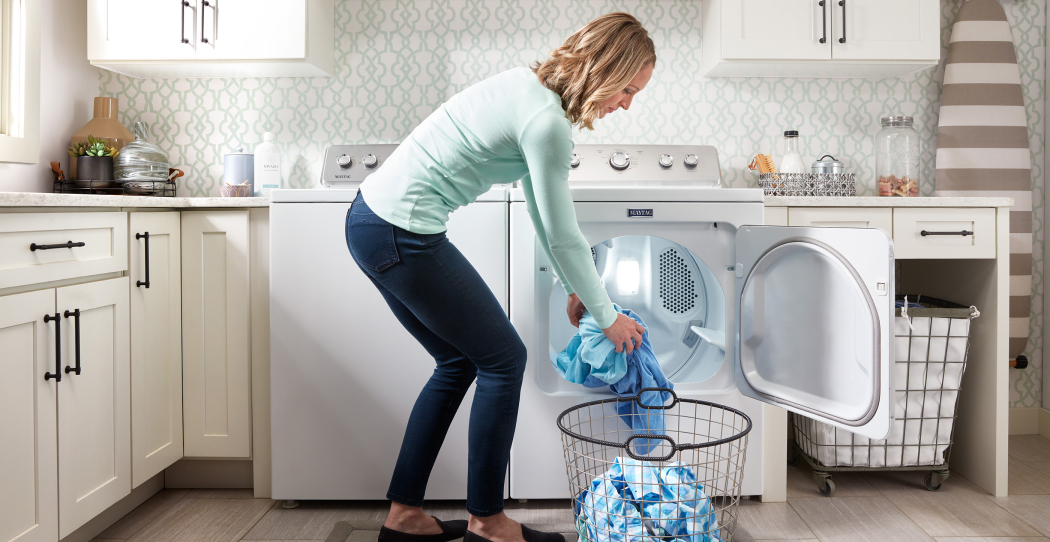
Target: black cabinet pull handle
33 247
145 236
76 345
57 375
823 21
185 5
963 233
204 4
843 4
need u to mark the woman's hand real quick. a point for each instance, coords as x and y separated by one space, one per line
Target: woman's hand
625 331
575 309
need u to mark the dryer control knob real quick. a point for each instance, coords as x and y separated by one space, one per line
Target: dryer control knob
344 161
666 160
575 160
691 160
370 160
619 160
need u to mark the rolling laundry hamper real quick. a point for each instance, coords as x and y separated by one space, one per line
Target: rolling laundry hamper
930 349
680 482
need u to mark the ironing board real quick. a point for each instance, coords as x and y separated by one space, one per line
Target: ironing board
982 139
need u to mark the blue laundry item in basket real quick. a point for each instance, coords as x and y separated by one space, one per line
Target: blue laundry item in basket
635 500
591 359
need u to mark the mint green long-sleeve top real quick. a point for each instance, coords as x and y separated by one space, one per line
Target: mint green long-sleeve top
507 128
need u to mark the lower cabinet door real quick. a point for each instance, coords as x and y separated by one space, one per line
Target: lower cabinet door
28 466
216 320
94 401
156 343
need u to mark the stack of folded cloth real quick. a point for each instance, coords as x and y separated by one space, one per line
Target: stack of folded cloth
927 375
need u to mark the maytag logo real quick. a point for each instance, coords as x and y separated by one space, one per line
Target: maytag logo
638 213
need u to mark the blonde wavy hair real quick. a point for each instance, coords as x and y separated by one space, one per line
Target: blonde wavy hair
595 63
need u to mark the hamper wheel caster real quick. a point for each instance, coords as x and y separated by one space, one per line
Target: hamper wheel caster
934 480
793 457
289 504
824 484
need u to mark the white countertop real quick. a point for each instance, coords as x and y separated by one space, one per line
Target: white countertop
820 201
43 199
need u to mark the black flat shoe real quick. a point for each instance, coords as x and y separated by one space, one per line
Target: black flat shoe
451 530
528 534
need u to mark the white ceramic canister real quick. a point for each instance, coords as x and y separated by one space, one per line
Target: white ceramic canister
238 166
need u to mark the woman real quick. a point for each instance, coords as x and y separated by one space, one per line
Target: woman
515 126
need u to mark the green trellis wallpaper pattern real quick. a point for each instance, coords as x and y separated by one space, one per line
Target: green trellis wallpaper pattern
397 60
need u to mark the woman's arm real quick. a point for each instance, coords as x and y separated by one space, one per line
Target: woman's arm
546 144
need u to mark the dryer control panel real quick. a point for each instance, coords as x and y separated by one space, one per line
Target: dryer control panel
345 166
671 165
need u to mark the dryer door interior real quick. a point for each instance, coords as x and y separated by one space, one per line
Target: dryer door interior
814 331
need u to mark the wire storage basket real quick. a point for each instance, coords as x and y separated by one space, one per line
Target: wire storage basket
930 349
677 474
808 184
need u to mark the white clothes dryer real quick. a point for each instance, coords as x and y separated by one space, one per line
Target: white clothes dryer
344 373
738 313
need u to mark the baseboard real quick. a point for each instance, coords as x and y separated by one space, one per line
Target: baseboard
109 516
1024 421
210 473
1044 422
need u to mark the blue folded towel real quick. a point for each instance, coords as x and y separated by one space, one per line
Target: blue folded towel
635 501
591 359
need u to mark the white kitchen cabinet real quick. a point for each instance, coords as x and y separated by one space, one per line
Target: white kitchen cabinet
28 431
142 29
819 38
216 320
213 38
155 282
94 400
886 29
774 29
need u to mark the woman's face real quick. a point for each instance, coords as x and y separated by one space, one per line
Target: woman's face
624 97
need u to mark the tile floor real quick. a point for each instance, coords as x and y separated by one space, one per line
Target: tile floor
866 507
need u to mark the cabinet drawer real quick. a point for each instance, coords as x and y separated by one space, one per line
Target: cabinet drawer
843 217
909 241
105 249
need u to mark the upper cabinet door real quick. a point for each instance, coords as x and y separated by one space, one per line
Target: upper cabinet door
156 343
815 328
776 29
251 29
142 29
94 401
886 29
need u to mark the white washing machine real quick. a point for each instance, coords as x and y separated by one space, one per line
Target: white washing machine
738 313
344 373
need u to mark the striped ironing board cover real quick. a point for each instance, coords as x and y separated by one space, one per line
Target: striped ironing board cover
982 138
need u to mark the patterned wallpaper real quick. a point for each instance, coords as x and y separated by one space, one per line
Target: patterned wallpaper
397 60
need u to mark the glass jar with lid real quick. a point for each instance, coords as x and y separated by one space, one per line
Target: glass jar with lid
897 157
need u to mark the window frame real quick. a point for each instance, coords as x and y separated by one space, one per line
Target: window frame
23 146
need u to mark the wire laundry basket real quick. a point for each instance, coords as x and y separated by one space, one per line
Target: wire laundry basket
681 481
808 184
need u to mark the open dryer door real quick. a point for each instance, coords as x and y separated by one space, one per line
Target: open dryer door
815 323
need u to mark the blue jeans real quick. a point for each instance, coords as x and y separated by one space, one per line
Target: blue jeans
444 303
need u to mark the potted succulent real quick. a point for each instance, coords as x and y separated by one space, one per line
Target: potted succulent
94 159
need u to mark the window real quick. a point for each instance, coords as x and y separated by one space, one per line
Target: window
12 62
19 80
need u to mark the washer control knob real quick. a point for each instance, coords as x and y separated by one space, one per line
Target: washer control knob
691 160
370 160
619 160
344 161
575 160
666 160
